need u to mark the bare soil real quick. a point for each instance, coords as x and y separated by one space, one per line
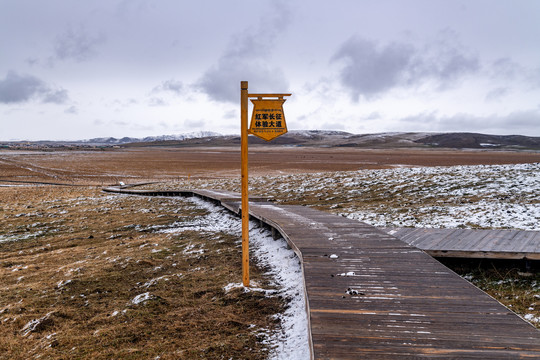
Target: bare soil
154 163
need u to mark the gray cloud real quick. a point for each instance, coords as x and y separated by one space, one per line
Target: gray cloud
231 114
222 82
77 45
174 86
194 124
506 68
155 101
444 60
370 69
71 110
19 88
518 122
15 88
497 94
246 59
59 96
534 78
127 8
333 126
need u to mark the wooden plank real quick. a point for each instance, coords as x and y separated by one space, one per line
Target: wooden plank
429 238
471 243
467 240
487 243
536 240
527 240
505 240
454 237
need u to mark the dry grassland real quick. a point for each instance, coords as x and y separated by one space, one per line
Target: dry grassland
157 164
86 275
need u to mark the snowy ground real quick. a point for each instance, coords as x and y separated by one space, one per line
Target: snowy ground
495 197
292 341
479 196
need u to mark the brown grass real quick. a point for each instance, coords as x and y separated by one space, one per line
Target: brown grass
85 256
83 236
155 163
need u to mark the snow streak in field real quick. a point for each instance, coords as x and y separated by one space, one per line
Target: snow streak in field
292 341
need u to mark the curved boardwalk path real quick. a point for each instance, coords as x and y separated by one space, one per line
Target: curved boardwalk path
372 296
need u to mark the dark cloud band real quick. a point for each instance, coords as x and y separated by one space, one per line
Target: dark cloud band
370 69
15 88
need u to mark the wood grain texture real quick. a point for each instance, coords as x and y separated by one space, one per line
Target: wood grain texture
472 243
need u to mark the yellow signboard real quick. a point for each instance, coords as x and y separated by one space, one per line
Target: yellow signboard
268 119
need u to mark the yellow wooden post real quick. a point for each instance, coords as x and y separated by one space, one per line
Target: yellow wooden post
245 199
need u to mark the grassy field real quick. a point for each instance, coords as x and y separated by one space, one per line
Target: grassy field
89 275
92 275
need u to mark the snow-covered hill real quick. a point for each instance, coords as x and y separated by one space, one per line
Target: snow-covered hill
126 140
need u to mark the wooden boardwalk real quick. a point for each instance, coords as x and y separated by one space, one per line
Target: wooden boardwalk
370 295
467 243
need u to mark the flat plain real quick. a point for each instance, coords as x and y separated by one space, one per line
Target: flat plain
66 246
166 163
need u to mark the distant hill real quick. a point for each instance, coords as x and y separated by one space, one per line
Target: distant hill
316 138
480 141
127 140
322 138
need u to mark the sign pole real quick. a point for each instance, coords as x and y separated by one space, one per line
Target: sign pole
245 198
269 123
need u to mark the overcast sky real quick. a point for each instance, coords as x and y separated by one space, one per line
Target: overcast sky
84 69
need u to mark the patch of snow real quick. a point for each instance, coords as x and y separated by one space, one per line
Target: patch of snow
232 286
190 250
141 298
30 235
37 325
63 283
292 342
155 281
531 318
